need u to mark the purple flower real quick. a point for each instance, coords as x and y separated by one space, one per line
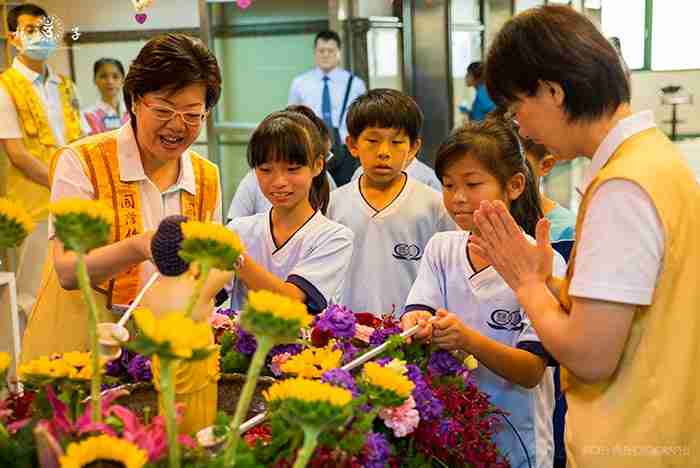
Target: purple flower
115 368
140 369
341 378
349 351
384 361
230 313
443 363
292 349
337 320
246 342
376 451
428 406
380 335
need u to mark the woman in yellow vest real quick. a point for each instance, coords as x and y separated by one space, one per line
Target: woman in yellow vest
625 322
145 171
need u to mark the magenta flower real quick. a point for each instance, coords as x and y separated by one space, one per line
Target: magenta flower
243 4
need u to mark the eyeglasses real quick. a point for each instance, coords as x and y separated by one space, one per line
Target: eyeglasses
165 113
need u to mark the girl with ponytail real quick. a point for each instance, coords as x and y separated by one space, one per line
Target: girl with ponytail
292 248
474 310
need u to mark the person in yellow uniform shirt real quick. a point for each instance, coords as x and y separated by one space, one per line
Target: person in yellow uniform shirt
40 113
624 322
145 171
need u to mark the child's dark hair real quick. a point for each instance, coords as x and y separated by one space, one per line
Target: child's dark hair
494 143
165 246
107 61
291 137
323 131
23 9
385 108
476 70
539 151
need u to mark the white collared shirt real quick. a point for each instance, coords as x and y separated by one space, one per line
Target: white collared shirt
307 89
621 246
70 181
48 91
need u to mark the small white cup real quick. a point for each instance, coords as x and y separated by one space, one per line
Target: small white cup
111 335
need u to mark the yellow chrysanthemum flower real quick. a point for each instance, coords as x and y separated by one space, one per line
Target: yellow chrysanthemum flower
15 223
103 447
44 367
213 232
82 225
279 306
4 362
310 391
76 358
312 363
470 362
92 208
184 334
387 379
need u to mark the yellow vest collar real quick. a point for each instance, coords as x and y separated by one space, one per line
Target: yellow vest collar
625 128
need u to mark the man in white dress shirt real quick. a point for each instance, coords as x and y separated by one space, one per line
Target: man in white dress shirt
329 90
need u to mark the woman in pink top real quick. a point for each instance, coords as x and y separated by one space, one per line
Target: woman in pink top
109 112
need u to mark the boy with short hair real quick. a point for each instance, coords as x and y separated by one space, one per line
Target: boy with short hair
392 216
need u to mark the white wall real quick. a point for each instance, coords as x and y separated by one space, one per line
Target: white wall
645 95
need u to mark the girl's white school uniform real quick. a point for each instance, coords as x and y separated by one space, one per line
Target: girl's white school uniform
484 302
315 258
388 243
249 199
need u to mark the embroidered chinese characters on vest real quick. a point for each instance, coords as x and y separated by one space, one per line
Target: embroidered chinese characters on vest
101 164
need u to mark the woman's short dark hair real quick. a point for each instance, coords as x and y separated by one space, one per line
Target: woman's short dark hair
292 137
24 9
385 108
171 62
107 61
557 44
496 146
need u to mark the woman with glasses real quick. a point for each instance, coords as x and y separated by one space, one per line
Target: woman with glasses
145 171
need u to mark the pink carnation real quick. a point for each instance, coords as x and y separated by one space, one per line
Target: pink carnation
220 321
277 361
402 419
243 3
363 332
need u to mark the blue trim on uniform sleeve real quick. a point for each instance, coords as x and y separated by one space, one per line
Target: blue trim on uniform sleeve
536 348
314 299
564 248
412 307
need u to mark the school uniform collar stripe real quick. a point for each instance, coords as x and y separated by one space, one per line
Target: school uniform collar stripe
272 236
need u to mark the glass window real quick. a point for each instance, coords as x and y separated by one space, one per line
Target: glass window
625 20
674 32
522 5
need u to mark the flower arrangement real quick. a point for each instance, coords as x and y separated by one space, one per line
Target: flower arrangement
84 225
412 406
273 319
